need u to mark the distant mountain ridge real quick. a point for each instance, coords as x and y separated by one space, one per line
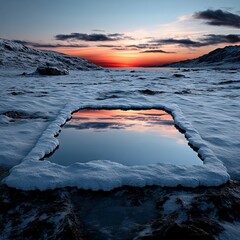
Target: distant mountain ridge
17 55
223 57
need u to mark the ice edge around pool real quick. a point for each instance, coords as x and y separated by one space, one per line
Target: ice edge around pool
105 175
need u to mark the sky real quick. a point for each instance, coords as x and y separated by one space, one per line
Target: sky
123 33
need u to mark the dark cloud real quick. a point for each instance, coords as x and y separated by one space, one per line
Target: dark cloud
143 46
119 48
156 51
168 41
108 46
129 47
151 47
98 125
116 35
219 18
212 39
206 40
163 122
134 47
94 37
50 45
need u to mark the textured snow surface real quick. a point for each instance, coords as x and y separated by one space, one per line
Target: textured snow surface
231 231
227 57
205 103
16 55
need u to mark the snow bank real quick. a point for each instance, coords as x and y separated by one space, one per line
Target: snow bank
105 175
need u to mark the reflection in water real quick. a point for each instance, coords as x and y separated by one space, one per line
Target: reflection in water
133 137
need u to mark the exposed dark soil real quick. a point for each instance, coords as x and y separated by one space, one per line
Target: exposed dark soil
53 214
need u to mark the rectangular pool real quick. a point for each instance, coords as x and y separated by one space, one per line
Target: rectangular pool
132 137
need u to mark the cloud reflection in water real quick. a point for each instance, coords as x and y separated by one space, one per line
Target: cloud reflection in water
133 137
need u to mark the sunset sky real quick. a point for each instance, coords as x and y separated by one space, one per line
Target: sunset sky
123 33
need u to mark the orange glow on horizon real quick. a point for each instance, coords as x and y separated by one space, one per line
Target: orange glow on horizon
112 58
105 113
132 120
107 57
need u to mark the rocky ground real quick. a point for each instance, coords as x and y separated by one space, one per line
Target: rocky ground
179 213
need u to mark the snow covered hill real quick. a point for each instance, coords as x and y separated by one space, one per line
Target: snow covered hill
222 57
13 54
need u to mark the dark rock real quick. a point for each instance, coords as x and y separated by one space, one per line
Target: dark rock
51 71
148 92
228 82
185 91
186 232
15 114
169 227
161 201
8 47
107 97
177 75
34 229
71 228
3 172
14 93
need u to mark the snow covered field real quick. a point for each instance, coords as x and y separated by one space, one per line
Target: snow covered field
205 103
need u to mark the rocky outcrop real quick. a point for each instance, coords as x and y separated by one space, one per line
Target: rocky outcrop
51 71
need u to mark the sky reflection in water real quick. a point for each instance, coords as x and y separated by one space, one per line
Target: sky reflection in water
133 137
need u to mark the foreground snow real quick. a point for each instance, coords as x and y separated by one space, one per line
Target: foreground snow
196 102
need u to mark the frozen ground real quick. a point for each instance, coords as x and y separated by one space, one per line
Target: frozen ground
203 102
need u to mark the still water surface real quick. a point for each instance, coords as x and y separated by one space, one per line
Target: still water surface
132 137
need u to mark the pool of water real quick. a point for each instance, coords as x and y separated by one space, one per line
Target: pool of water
132 137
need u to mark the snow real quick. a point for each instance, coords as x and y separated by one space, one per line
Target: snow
16 55
227 57
231 231
207 110
144 233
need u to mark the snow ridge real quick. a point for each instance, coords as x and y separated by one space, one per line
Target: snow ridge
106 175
16 55
221 57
